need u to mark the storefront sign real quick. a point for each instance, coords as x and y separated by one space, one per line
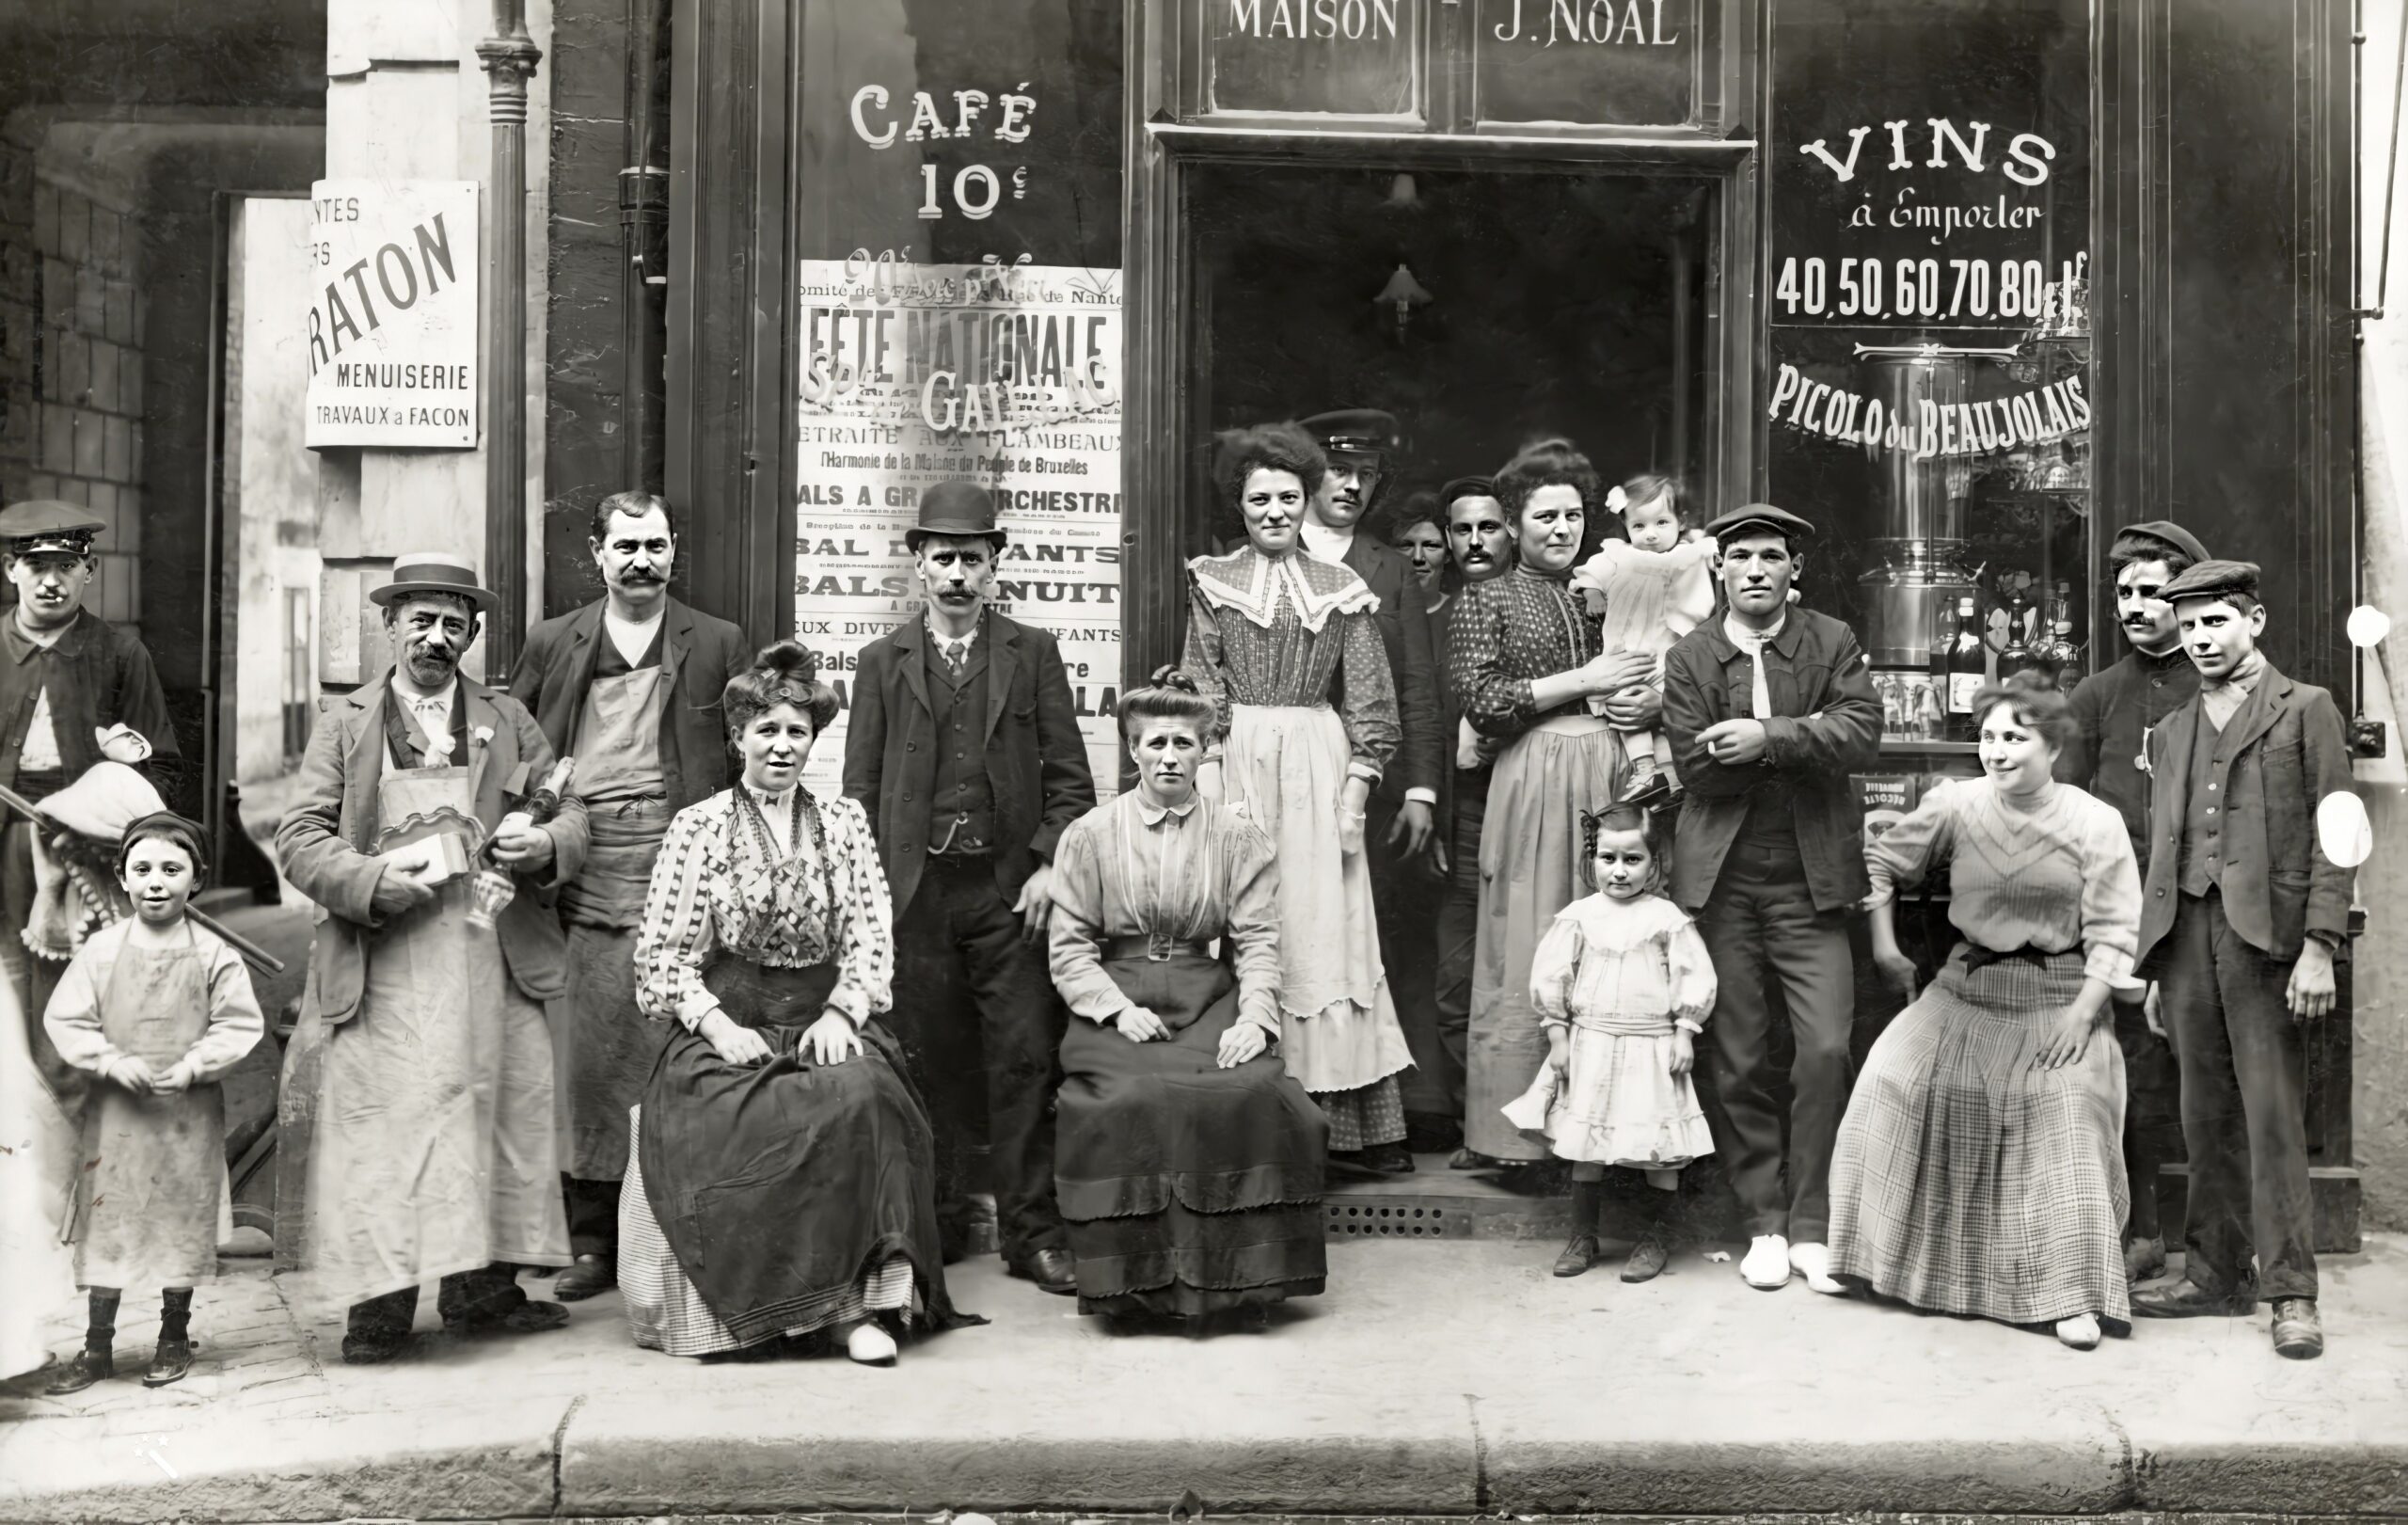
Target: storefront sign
1008 376
1595 62
1934 429
1313 57
393 317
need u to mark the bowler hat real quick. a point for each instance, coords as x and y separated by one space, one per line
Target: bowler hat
2170 533
435 571
45 526
2212 579
1355 429
1760 516
959 509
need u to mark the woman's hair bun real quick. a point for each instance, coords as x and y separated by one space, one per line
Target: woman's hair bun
1177 679
789 661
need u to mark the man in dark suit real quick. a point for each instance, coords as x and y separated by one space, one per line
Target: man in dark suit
2242 919
964 746
629 686
1404 808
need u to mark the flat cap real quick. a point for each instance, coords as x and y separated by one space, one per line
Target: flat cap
1747 517
1471 487
1355 428
2213 580
2172 533
46 525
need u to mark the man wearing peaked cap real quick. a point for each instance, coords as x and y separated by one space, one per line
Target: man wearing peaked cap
963 745
1770 710
1402 814
2243 917
431 1151
2114 710
67 676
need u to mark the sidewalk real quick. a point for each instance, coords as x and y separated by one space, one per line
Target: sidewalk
1452 1377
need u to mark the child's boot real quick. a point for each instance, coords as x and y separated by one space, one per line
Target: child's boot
1581 1252
97 1360
173 1357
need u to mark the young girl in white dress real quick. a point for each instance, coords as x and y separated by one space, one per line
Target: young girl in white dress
1623 984
1652 589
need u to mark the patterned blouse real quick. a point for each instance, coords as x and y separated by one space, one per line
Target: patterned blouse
1507 632
1130 869
760 886
2054 876
1272 632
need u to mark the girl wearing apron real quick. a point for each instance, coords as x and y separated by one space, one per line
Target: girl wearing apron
156 1009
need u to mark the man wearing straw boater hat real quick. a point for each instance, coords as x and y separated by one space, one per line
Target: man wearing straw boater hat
416 1124
629 685
964 745
68 680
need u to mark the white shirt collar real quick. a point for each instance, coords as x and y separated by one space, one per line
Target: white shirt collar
1748 639
438 706
1152 814
1325 543
968 638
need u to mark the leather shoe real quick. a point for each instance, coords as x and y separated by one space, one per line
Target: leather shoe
2299 1334
1577 1256
1647 1258
169 1363
2143 1259
529 1317
590 1277
1391 1159
2186 1298
88 1366
1053 1270
373 1347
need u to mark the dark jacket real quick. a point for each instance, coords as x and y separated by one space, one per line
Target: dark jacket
1828 726
699 653
110 680
327 841
1036 760
2114 711
2285 750
1405 631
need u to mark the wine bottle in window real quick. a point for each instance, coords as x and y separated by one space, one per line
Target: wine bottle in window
1966 671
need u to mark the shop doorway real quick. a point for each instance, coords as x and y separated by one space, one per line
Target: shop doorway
1484 309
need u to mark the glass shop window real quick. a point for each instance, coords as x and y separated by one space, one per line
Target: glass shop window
1928 392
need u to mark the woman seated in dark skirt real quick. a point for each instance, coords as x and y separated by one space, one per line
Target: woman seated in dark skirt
1187 1161
781 1178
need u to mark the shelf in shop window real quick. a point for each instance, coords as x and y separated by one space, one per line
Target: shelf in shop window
1914 747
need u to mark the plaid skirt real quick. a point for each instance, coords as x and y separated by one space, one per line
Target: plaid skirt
1966 1181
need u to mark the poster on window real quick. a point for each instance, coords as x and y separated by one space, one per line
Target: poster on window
1006 375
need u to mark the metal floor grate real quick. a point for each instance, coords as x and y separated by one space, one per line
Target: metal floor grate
1398 1218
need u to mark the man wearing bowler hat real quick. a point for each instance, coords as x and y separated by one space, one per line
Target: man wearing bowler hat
1402 810
2242 919
963 744
417 1101
2115 712
67 678
1770 709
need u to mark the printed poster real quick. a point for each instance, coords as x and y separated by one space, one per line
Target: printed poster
1008 376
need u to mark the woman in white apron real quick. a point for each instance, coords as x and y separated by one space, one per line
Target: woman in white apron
156 1009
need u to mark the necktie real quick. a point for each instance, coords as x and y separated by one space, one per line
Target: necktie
956 653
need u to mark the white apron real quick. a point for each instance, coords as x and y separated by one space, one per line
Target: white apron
432 1149
151 1200
36 1188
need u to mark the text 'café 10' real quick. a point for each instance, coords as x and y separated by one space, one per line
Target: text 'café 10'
1915 271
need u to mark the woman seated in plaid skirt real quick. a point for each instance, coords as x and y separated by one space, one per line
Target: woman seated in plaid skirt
1979 1169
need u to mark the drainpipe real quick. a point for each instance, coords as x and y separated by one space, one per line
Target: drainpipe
510 57
643 242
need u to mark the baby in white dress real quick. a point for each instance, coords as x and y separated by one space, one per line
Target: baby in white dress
1655 588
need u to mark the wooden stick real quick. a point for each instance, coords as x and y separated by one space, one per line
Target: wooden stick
254 955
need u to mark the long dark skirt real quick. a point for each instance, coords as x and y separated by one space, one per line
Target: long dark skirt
780 1185
1186 1187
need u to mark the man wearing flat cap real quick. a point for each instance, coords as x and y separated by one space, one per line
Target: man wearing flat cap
1770 709
963 744
1402 810
629 686
2115 712
68 677
416 1100
2242 921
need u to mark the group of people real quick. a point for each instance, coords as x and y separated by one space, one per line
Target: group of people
1509 830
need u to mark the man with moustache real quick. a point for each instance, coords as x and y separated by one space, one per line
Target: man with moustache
69 676
2242 921
629 686
1479 545
417 1099
1770 709
2114 710
964 745
1404 808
